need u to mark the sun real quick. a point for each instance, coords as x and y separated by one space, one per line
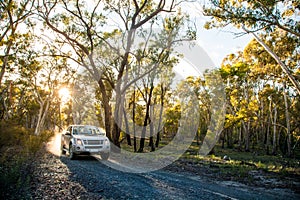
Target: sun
64 94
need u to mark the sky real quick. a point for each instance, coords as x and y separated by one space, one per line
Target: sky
217 42
212 46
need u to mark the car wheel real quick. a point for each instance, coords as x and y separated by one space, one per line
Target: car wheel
62 149
71 153
63 152
104 156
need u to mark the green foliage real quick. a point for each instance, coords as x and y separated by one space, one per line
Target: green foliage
254 14
242 163
172 117
255 88
19 148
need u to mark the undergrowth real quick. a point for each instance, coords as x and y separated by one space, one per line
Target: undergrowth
240 163
18 150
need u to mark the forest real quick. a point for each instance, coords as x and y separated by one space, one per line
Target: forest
118 65
111 63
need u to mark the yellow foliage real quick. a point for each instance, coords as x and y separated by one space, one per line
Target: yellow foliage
288 13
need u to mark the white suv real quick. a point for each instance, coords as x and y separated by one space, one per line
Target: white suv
86 140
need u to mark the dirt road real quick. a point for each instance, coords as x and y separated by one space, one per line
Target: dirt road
90 178
58 177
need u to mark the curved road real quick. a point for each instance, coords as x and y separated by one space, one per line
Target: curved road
103 181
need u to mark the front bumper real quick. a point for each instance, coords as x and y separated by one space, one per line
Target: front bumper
82 149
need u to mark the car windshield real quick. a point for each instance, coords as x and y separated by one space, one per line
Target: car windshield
86 130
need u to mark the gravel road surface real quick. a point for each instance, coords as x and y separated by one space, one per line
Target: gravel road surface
58 177
89 178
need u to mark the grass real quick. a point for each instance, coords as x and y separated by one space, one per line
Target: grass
241 164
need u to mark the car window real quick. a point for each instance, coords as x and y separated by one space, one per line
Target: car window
75 131
98 131
83 130
93 131
87 130
78 130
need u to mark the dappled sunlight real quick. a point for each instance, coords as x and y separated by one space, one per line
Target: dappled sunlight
53 145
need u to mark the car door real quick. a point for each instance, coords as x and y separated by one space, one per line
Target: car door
67 137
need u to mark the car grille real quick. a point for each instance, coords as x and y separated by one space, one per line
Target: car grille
93 147
93 142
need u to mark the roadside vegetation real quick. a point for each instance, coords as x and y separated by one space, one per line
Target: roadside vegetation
19 149
237 163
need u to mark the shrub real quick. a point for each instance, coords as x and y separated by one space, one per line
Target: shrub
18 147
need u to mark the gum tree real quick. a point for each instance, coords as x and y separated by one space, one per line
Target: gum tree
256 17
101 35
13 15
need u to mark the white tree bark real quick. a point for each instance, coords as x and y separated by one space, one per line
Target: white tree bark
273 54
288 125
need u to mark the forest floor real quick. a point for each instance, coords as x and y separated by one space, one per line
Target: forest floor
250 168
244 174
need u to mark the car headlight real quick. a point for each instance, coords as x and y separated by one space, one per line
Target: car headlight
79 142
106 142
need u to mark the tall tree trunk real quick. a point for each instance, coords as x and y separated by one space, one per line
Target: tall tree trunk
288 126
229 137
44 107
120 101
159 127
268 135
262 128
278 137
127 128
240 132
146 120
106 106
223 135
117 116
274 131
151 141
133 119
246 126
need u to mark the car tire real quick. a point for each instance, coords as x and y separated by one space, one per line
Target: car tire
63 152
104 156
71 153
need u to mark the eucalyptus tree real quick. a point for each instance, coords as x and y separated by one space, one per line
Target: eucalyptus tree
259 16
269 72
44 77
151 75
201 90
269 92
235 71
14 17
102 34
14 37
254 100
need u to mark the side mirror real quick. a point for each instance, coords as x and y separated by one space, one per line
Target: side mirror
68 133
